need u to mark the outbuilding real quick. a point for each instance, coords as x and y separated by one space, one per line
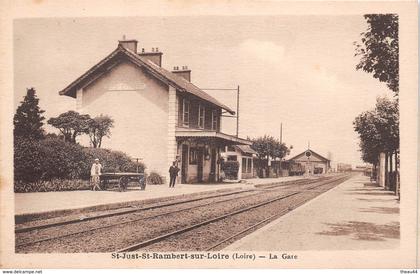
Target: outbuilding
244 154
313 162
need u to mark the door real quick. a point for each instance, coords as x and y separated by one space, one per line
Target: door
212 177
184 164
200 163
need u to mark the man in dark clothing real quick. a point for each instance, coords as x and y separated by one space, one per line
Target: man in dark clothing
173 172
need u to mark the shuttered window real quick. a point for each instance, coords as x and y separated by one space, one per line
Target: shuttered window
214 118
185 112
201 115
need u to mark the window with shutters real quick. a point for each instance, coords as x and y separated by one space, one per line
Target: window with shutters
185 112
214 120
201 115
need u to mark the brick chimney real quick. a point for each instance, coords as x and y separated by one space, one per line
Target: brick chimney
184 72
155 56
129 44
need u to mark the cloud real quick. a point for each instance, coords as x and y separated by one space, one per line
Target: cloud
266 51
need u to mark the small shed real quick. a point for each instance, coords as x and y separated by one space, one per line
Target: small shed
244 154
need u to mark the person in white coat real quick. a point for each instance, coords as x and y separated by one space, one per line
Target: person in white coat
95 172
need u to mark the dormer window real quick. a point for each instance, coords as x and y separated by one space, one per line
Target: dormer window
185 112
201 115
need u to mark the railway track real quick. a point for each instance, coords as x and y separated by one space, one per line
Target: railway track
295 202
21 228
127 221
142 218
209 201
262 222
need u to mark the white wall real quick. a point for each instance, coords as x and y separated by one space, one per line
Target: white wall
139 106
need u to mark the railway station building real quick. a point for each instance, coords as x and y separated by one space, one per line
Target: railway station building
159 115
313 162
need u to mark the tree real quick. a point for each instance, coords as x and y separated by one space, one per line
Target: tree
370 140
378 49
267 147
388 123
28 120
100 127
378 130
71 124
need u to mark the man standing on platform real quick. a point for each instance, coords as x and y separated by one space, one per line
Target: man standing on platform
95 172
173 172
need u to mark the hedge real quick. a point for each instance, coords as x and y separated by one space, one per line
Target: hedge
231 169
52 185
46 159
52 160
112 161
56 185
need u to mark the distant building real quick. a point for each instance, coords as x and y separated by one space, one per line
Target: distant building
313 162
342 167
366 169
159 115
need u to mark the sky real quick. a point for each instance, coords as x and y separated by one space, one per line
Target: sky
295 70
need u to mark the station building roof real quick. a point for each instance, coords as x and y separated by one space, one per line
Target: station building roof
122 53
313 153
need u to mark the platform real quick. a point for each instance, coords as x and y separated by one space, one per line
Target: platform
354 215
37 202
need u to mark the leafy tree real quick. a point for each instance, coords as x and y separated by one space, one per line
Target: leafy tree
378 130
268 147
28 120
370 143
378 49
100 127
388 123
71 124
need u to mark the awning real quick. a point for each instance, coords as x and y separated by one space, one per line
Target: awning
185 134
246 149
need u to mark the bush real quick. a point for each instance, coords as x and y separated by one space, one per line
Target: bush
112 161
155 179
62 160
51 158
38 162
231 169
26 158
52 185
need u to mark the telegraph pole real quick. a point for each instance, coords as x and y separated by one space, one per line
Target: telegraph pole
281 144
237 105
237 112
281 133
